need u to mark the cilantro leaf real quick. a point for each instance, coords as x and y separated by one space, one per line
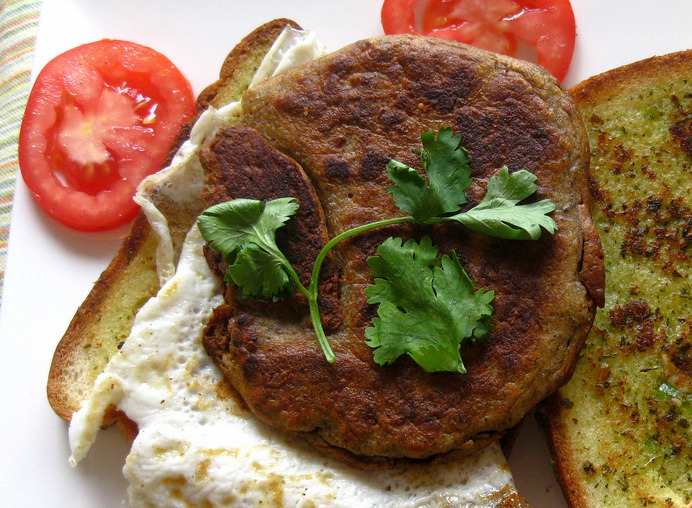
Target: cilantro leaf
498 214
244 232
446 166
259 275
428 306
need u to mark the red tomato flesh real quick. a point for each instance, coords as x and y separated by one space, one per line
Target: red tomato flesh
502 26
99 119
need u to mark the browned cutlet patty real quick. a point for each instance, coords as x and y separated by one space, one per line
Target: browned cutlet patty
244 165
341 119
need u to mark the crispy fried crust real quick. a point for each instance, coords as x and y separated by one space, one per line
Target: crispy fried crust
341 118
104 320
616 438
262 173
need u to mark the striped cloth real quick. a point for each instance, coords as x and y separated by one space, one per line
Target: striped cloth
18 27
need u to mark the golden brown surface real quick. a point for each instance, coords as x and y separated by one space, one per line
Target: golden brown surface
341 119
104 320
620 429
240 65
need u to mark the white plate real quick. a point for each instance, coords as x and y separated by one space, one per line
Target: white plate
50 269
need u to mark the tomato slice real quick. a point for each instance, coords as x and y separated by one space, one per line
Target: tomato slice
544 27
99 119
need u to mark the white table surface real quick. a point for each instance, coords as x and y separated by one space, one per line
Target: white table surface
51 269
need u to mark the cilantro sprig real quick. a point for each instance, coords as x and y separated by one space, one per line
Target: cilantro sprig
244 230
446 164
428 305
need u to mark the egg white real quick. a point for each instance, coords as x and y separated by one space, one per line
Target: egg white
197 445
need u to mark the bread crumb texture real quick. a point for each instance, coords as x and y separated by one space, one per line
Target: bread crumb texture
628 406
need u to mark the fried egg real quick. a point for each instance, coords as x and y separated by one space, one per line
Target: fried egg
197 444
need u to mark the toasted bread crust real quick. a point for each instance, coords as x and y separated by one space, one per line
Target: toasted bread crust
552 419
630 79
617 438
103 321
241 63
105 317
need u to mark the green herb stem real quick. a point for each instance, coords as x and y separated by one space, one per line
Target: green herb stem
290 270
249 227
312 293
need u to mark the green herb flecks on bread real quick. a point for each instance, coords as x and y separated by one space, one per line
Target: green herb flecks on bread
620 429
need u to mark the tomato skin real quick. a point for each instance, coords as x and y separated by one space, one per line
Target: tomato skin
99 119
495 25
